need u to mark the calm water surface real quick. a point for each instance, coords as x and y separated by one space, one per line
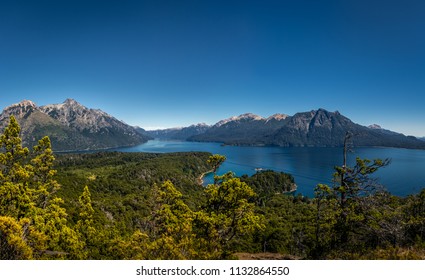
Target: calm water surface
309 166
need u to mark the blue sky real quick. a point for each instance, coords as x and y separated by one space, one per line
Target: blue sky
175 63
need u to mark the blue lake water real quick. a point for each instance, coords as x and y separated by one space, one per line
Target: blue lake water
309 166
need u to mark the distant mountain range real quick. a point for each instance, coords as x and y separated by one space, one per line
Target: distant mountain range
70 126
178 133
74 127
317 128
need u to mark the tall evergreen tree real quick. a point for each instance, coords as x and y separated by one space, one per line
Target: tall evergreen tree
26 202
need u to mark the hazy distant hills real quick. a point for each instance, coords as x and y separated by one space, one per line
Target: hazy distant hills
70 126
182 133
317 128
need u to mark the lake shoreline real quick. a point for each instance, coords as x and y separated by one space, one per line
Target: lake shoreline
309 166
200 179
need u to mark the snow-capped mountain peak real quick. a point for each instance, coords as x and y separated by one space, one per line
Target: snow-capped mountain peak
277 117
375 126
243 117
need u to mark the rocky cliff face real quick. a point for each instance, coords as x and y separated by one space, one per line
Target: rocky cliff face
73 114
70 126
20 110
314 128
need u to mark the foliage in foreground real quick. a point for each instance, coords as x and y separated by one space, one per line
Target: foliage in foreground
35 225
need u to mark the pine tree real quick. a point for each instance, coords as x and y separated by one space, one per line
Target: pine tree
344 213
85 225
12 245
43 180
15 195
27 205
13 156
172 223
229 212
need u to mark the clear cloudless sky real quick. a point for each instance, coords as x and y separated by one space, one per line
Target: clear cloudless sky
174 63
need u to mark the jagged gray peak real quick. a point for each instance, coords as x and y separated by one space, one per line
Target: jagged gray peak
19 109
24 104
71 126
74 114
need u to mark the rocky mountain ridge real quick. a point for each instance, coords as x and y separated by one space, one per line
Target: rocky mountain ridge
70 126
316 128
